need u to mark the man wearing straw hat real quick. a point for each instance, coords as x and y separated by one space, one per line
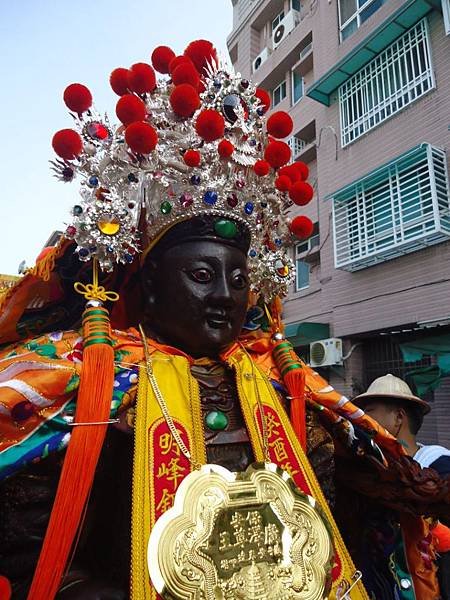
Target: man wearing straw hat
390 401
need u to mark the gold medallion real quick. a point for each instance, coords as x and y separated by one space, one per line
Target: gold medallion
244 536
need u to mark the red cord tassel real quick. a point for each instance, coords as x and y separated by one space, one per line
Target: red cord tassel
294 378
93 405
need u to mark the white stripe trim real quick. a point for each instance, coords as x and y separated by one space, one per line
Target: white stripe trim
27 392
28 365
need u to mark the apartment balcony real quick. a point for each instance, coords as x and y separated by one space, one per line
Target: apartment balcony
303 143
399 208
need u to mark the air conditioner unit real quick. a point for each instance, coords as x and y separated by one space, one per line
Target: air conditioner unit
284 27
324 353
262 57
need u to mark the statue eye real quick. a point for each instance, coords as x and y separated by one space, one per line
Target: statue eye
201 275
239 281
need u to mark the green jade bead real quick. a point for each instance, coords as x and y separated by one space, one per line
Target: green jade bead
165 207
216 420
226 229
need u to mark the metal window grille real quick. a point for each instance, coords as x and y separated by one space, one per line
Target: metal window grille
382 356
296 145
399 208
394 79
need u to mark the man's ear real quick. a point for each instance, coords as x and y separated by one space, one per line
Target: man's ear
400 416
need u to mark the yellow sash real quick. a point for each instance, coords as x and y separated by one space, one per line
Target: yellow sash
159 466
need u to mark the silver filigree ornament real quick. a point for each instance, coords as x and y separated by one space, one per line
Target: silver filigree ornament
121 189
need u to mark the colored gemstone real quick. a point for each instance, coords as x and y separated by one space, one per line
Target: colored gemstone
93 181
132 178
278 242
186 200
195 179
216 420
97 131
108 225
83 252
226 229
128 257
165 207
217 84
77 210
210 197
232 200
22 411
260 111
245 83
240 184
252 253
130 205
71 230
248 208
263 204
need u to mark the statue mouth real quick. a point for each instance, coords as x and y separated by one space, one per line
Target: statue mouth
218 321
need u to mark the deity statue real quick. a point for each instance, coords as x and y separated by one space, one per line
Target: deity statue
152 412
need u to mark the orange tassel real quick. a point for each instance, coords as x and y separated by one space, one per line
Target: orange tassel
294 377
93 405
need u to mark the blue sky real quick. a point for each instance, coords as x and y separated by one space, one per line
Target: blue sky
44 46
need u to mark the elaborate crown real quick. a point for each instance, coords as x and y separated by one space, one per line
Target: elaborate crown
195 142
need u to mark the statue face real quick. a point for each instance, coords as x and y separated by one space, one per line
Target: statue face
197 294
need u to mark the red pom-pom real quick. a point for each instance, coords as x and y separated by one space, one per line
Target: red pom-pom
280 124
283 183
210 125
179 60
225 149
277 154
119 81
77 97
291 172
141 137
130 108
202 53
161 57
184 100
302 169
302 227
264 98
5 588
192 158
67 144
186 73
301 193
261 168
141 78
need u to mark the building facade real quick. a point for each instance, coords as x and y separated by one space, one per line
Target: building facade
367 83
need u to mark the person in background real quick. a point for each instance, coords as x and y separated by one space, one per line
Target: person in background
390 401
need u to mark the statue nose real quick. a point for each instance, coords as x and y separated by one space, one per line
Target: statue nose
222 293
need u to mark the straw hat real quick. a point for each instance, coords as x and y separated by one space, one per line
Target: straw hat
390 386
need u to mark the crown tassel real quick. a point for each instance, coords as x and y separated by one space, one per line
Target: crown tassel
92 414
291 370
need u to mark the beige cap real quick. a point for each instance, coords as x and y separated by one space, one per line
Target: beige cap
390 386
